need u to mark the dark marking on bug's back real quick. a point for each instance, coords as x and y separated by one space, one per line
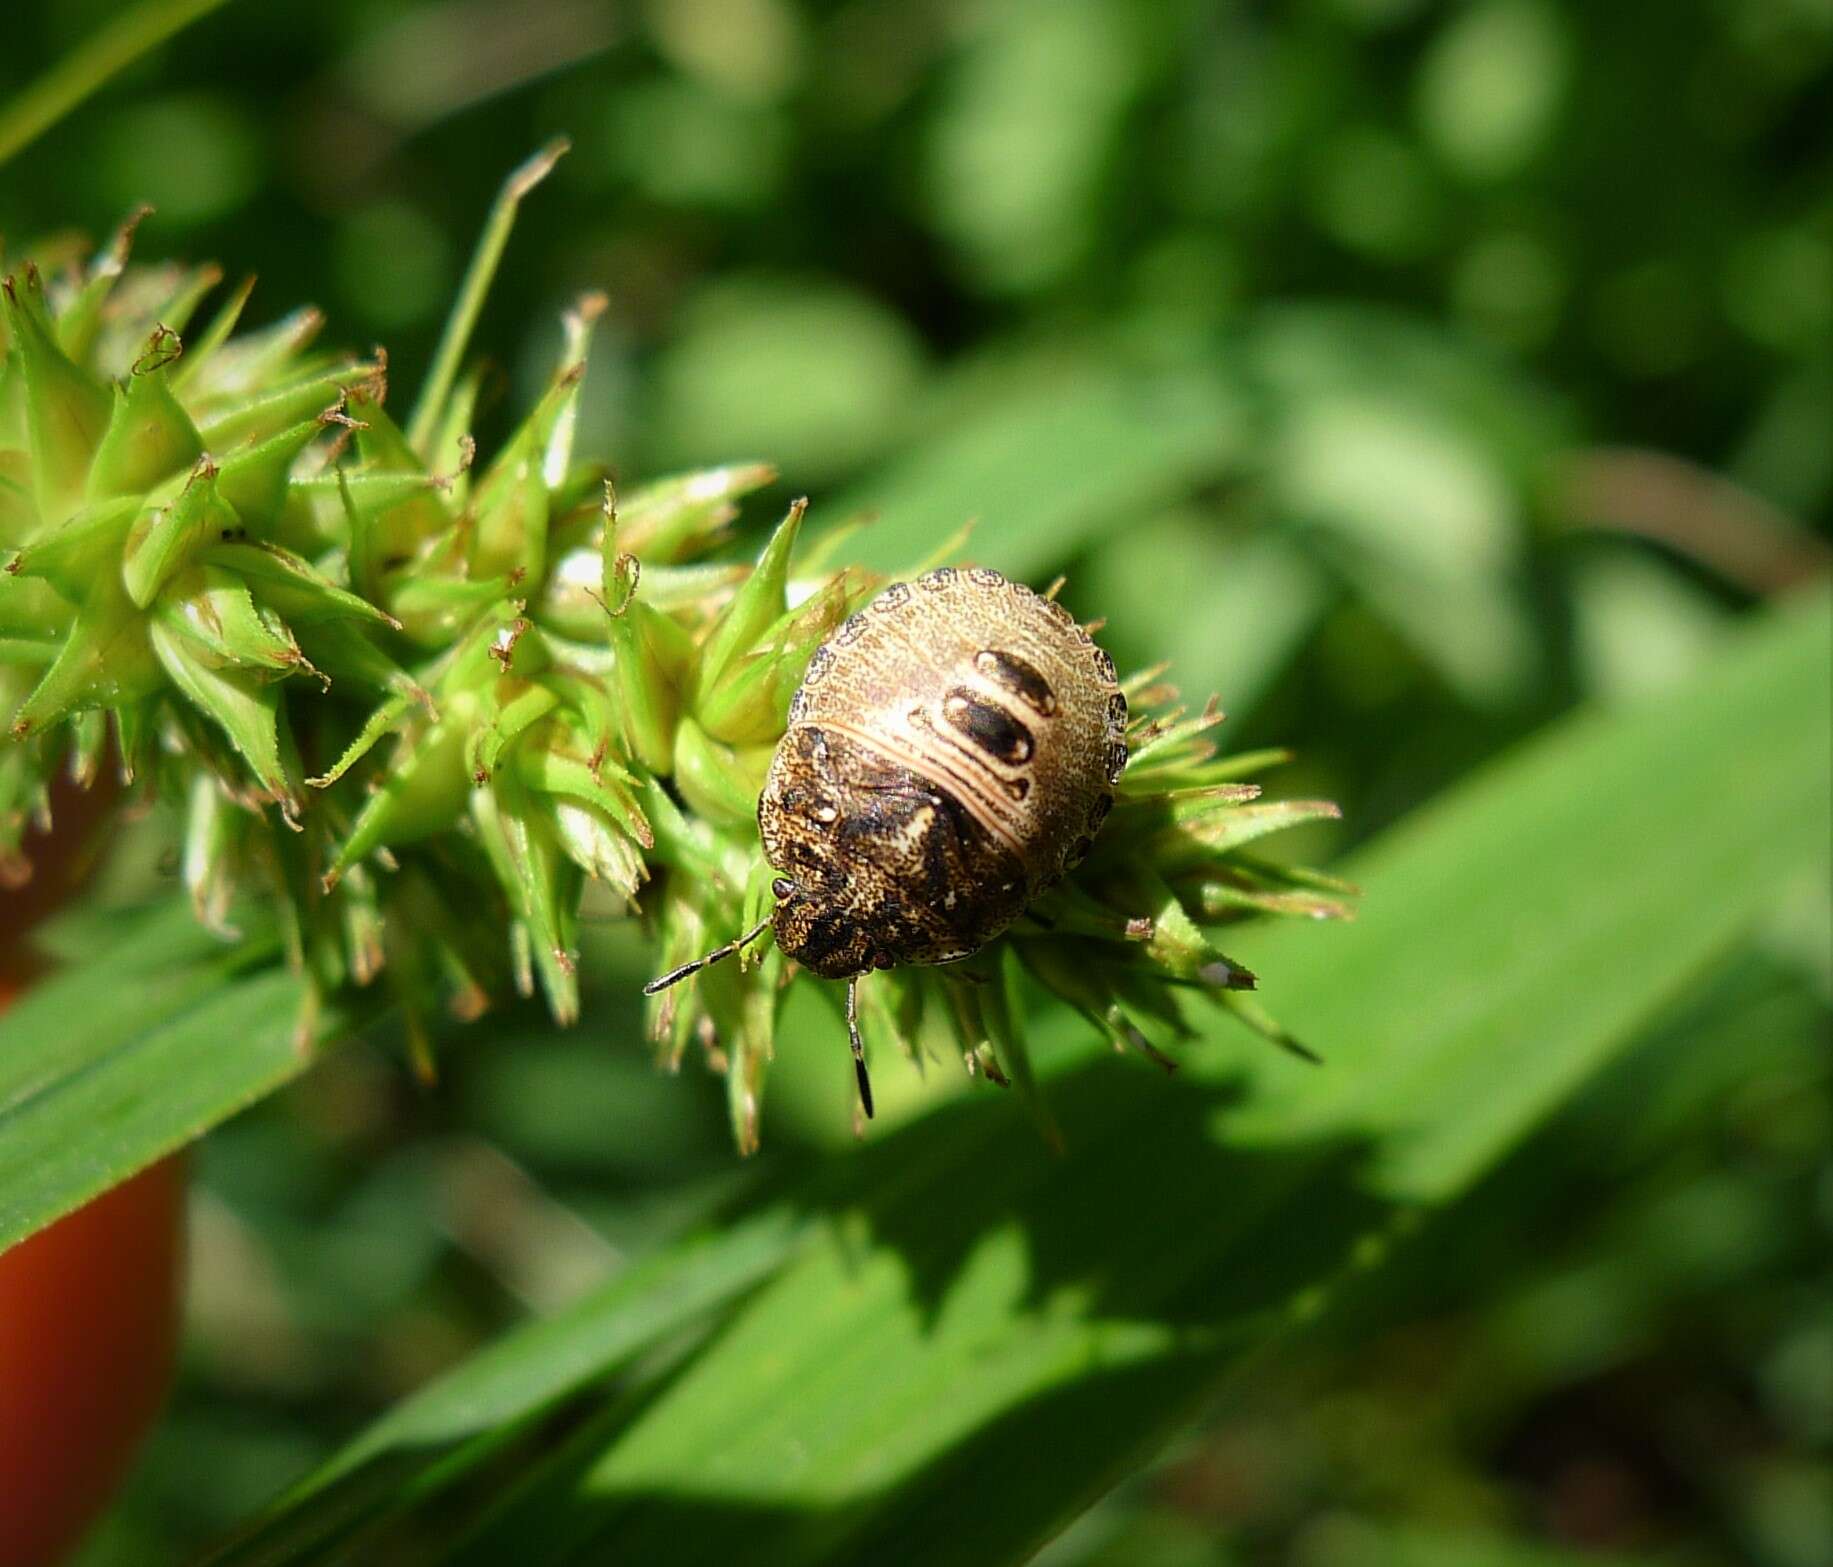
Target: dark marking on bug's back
1020 678
951 750
992 729
904 873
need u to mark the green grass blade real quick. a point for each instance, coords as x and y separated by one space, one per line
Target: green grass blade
1366 1540
111 1065
429 1441
109 51
156 962
979 1337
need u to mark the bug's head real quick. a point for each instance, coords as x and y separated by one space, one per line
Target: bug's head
823 935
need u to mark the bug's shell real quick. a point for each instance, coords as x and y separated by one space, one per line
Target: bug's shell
951 752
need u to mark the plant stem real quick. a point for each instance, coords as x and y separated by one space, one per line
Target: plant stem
104 54
471 293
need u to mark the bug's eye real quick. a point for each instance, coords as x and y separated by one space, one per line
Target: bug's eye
781 888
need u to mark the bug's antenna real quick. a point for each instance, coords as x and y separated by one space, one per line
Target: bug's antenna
675 976
859 1049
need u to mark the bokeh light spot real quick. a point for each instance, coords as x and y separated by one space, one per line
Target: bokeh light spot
394 262
1490 87
812 373
193 156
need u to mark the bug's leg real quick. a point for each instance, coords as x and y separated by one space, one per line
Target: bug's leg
859 1048
674 976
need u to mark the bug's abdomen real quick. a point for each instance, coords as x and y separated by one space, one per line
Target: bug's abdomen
980 686
951 752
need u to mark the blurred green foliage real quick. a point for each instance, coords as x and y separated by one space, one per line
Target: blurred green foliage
1407 372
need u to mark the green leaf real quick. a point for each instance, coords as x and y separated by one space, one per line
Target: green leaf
117 1061
968 1301
411 1454
1367 1540
1403 461
161 961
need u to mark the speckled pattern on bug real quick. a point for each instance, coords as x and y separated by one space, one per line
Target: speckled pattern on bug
951 753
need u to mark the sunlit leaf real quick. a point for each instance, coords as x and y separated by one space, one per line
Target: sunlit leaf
968 1300
116 1062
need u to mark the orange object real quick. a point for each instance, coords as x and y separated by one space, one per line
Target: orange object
89 1308
89 1313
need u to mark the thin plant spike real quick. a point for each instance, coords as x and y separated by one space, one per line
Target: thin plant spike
470 301
219 330
109 50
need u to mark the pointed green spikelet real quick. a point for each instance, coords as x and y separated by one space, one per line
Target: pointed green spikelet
215 856
105 661
525 849
149 435
213 610
165 538
18 510
255 480
713 778
416 701
653 655
26 766
66 406
511 501
758 604
748 704
244 705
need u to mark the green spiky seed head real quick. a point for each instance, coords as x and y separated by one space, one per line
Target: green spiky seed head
421 701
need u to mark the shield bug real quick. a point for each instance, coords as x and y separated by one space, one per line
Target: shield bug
951 752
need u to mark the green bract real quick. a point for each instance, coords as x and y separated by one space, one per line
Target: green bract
422 701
